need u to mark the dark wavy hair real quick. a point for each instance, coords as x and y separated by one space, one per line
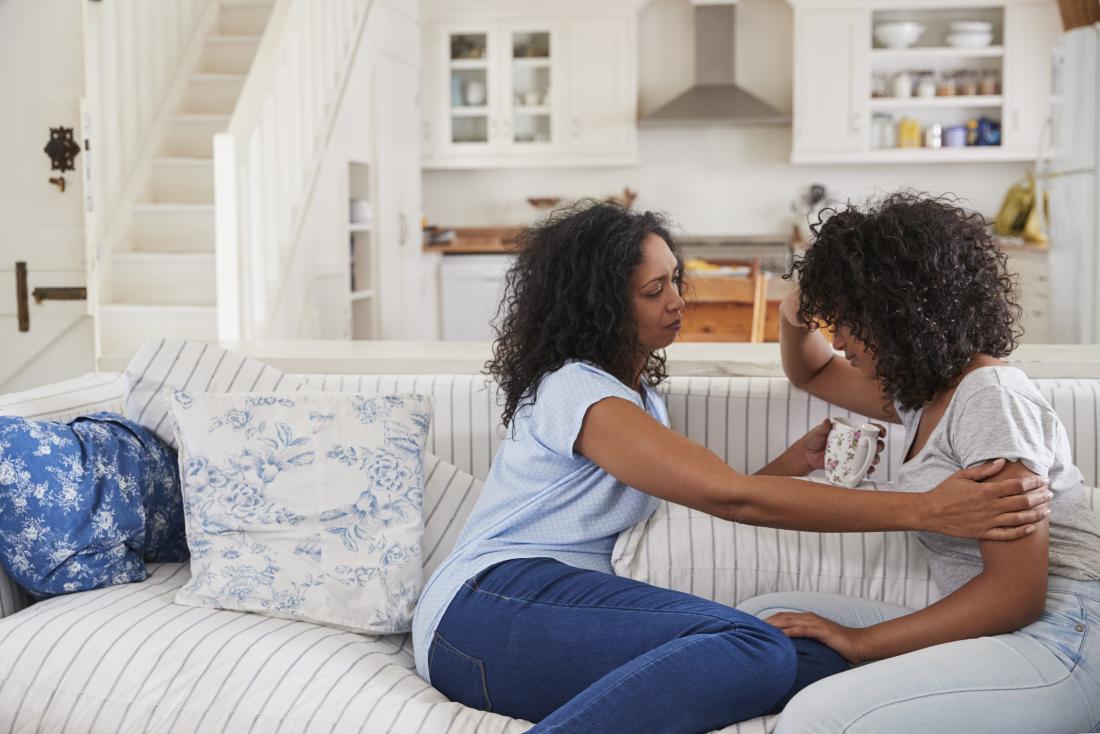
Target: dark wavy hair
920 281
567 297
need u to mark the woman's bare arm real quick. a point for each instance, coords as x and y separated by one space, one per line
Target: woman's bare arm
1008 594
630 445
811 364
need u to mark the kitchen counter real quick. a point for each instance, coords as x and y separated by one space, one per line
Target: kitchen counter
688 359
475 241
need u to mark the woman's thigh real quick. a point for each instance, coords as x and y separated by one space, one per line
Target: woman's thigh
849 611
1042 678
527 636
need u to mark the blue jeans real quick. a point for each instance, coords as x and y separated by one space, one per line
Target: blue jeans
1044 677
584 651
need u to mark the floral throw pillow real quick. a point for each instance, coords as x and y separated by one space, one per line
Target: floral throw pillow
305 506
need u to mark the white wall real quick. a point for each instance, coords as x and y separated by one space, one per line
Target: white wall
720 180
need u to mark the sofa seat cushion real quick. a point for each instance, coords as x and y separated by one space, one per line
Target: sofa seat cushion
127 659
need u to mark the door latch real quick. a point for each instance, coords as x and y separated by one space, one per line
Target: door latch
22 305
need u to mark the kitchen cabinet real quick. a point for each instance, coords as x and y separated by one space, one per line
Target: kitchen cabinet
529 84
1029 264
845 109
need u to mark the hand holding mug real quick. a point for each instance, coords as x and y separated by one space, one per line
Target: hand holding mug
851 451
816 441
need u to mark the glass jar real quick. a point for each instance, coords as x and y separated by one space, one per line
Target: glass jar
883 131
990 82
945 87
902 85
926 85
909 133
968 84
878 84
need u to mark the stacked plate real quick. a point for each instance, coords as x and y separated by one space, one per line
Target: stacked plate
970 33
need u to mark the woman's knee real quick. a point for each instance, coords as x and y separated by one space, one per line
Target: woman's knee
768 655
765 605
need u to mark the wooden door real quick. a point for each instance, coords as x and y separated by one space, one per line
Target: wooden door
39 224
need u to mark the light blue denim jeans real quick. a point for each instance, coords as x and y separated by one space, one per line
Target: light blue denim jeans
1044 677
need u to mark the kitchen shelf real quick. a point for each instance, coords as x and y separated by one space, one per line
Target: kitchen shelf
532 63
469 64
361 227
955 52
970 154
469 111
362 295
532 110
910 103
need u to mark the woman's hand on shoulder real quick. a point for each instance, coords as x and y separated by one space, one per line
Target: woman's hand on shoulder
966 506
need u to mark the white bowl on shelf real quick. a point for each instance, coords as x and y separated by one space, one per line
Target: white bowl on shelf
970 26
970 39
898 34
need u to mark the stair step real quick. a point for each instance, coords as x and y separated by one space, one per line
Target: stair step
192 135
163 278
182 180
229 54
213 92
243 18
125 327
159 227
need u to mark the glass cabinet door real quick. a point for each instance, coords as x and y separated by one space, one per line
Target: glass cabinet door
530 87
470 90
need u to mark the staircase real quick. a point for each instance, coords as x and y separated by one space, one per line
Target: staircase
161 278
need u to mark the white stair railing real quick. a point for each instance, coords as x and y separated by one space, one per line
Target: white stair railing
133 52
266 163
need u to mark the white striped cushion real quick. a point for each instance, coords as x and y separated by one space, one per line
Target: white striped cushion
60 401
194 366
449 496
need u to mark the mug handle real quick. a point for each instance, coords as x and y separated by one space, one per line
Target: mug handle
868 444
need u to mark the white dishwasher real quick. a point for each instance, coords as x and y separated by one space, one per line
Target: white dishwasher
471 288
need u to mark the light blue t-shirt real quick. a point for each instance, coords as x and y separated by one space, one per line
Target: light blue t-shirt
541 499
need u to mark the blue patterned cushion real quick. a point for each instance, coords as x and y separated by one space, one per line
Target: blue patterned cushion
306 506
85 504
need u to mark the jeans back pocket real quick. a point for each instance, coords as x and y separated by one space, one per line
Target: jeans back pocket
458 676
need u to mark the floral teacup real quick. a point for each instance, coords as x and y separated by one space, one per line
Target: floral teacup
849 451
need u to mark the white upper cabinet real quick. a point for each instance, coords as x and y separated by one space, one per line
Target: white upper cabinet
830 88
973 86
529 84
1030 31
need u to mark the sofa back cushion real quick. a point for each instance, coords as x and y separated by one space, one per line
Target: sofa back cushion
164 365
748 421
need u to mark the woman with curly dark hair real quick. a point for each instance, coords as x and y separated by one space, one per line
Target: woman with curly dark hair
923 312
524 617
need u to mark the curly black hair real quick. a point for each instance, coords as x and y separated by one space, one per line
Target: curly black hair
919 280
567 297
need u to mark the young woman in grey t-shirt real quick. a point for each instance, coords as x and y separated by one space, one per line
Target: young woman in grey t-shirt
917 295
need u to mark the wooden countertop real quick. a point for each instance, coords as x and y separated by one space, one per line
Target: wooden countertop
475 241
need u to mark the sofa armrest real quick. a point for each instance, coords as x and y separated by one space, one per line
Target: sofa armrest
12 598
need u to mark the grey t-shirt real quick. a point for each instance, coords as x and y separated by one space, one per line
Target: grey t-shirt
996 412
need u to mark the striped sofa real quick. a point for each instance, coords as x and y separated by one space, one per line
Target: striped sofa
126 659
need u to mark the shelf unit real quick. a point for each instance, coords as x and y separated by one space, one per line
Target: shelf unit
362 258
842 100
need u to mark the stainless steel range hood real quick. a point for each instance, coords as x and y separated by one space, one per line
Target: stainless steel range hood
715 99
